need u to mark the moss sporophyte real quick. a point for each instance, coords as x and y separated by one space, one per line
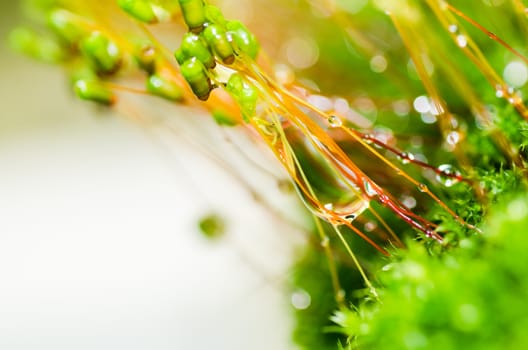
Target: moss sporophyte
392 120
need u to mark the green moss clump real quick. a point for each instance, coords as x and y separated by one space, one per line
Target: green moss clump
474 297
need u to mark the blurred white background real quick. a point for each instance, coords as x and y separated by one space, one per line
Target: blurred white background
98 241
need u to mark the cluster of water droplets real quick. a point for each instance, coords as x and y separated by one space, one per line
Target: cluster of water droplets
461 39
406 157
448 175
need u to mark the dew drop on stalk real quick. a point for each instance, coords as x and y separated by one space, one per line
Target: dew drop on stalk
499 91
422 188
453 28
325 242
461 40
444 178
335 122
369 189
406 157
453 138
368 139
430 233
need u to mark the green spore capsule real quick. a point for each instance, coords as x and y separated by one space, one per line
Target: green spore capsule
93 90
194 72
146 58
82 72
214 15
102 53
244 94
163 87
67 25
37 46
180 56
193 46
216 38
245 40
193 12
141 10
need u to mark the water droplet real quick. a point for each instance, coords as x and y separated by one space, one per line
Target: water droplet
429 233
453 28
453 138
422 188
461 40
325 242
388 267
444 178
369 189
335 121
300 299
329 206
499 91
406 157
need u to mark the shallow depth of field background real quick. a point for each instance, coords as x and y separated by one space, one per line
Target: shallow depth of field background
98 241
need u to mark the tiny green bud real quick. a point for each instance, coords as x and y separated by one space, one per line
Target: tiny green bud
146 58
93 90
193 12
214 15
102 53
69 26
194 72
216 38
193 46
180 56
139 9
244 94
37 46
245 40
163 87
